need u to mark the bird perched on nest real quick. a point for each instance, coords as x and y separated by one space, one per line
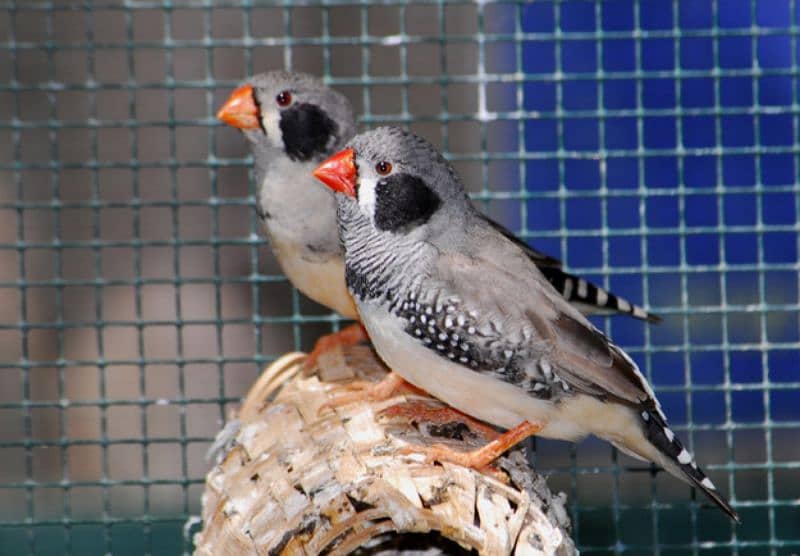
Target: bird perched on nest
460 310
292 122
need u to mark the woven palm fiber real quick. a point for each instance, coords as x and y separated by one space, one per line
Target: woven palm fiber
294 476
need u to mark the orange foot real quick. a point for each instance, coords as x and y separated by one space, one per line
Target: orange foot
363 391
348 336
421 411
481 458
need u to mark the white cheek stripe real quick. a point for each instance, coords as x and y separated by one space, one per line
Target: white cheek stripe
366 196
271 122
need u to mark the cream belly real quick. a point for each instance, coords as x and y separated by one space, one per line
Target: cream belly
302 213
320 277
492 400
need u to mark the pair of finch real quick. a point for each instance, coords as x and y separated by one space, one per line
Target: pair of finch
452 301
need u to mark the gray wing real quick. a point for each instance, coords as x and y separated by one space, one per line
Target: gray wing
591 298
542 260
516 310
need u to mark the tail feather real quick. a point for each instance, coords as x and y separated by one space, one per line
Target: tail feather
662 437
592 298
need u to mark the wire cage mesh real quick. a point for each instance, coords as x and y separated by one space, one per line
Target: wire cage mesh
651 145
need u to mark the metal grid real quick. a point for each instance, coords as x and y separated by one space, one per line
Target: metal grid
652 145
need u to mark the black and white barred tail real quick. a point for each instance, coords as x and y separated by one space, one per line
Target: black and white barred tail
662 437
592 298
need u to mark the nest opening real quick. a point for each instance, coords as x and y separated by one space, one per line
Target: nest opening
412 544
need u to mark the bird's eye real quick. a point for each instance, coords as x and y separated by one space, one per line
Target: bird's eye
284 98
383 167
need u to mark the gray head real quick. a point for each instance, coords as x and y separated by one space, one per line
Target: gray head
291 113
398 181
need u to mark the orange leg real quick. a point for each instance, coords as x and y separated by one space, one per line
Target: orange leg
350 335
420 411
362 391
482 457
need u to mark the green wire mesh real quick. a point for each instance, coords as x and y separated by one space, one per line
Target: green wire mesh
652 145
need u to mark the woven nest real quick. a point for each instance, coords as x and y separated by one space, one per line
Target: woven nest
295 477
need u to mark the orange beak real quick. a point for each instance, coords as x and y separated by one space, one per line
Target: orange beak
339 172
240 110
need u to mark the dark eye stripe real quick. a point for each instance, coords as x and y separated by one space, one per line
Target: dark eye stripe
306 130
403 200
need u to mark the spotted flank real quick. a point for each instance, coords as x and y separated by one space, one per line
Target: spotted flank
592 298
442 327
662 437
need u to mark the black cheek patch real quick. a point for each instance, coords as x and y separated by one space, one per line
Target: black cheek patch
306 131
402 200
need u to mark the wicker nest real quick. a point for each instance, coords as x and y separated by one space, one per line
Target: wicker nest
295 477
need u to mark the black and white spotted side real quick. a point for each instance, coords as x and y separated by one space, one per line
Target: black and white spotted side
661 436
441 324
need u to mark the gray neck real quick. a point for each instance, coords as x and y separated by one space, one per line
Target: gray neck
295 208
263 161
380 265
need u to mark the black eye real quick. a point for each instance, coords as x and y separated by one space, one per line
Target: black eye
284 98
383 167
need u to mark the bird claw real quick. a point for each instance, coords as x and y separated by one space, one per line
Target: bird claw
350 335
441 453
481 458
365 391
421 411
